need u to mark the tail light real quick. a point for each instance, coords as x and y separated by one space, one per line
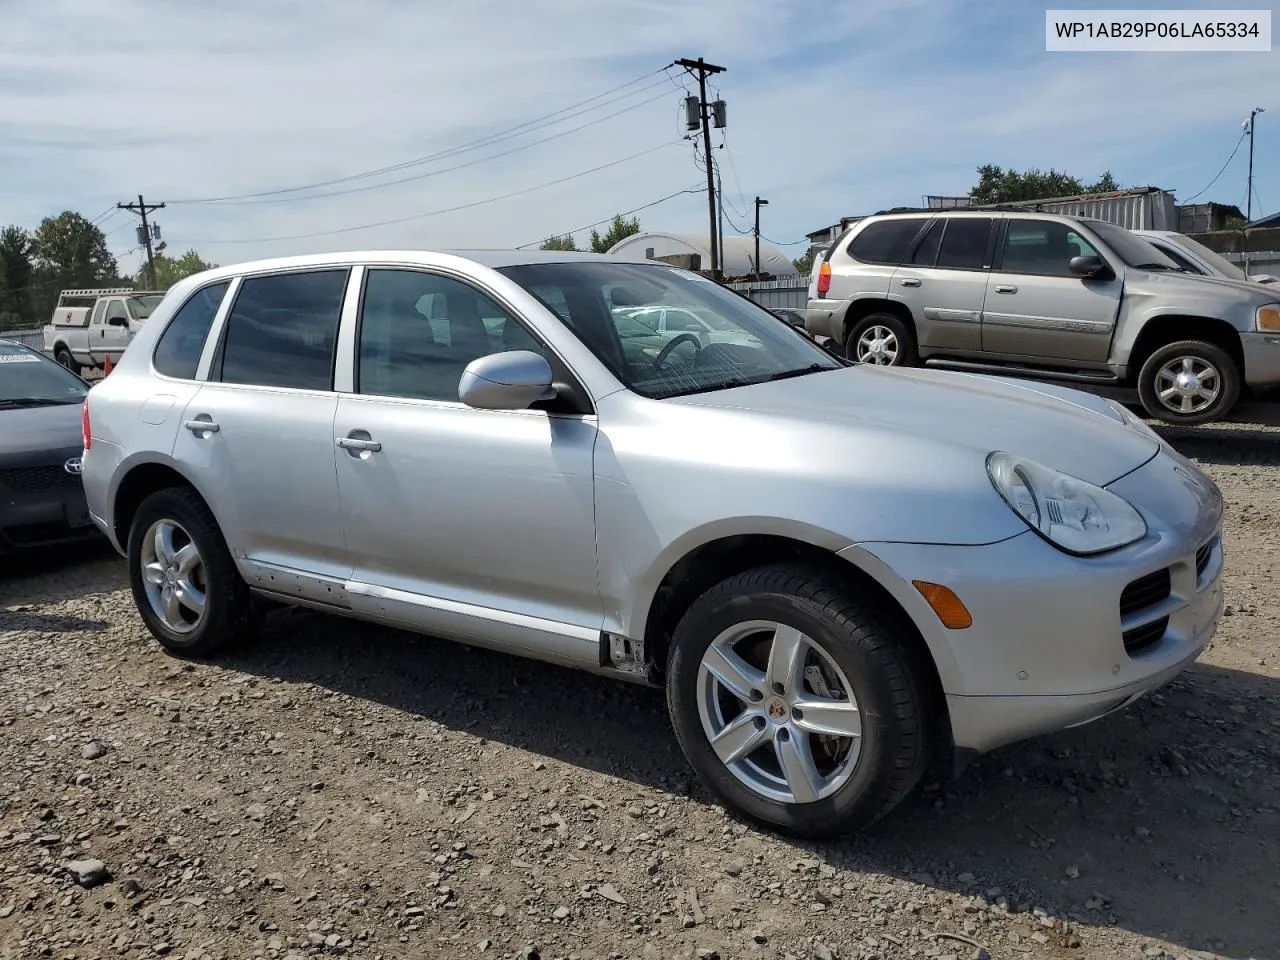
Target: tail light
85 429
824 278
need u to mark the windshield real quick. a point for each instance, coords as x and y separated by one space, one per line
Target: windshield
746 344
1131 248
30 379
1211 257
143 307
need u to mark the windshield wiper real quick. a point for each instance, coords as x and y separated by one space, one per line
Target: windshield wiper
33 402
1158 266
787 374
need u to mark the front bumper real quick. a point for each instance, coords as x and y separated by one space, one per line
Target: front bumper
42 505
1050 646
1261 359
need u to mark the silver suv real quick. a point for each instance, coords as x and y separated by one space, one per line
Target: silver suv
1046 296
837 571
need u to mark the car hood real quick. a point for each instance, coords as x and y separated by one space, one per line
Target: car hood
32 430
944 417
1197 286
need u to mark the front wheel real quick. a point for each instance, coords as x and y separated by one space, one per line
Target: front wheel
1189 382
795 704
184 579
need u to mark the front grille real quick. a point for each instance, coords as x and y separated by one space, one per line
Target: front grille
1145 592
1202 557
1139 638
39 479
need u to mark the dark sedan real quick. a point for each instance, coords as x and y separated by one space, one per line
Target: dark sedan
41 496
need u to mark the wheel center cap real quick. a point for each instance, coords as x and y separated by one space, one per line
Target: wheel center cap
1188 382
777 710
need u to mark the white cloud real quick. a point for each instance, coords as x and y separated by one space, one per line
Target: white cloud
833 109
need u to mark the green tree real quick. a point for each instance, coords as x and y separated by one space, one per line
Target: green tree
169 270
68 251
16 273
618 231
997 185
804 264
559 243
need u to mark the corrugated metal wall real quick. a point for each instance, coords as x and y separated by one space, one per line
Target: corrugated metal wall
792 292
1147 211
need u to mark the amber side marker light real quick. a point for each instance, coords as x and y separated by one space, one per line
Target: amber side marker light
945 603
1269 319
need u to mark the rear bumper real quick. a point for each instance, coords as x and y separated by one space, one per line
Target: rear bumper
825 318
1261 359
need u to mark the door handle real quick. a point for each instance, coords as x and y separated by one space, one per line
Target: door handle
1006 288
355 443
201 426
911 282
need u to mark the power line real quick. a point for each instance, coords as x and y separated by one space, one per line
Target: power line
436 213
1220 172
793 243
733 167
459 166
488 140
609 219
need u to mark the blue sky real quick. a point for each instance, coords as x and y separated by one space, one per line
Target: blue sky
833 109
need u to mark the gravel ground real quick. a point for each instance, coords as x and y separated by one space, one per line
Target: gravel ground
345 789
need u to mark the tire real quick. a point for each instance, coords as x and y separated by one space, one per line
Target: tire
229 611
64 357
899 346
1199 358
895 712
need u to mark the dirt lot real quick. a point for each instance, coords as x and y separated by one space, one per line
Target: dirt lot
341 789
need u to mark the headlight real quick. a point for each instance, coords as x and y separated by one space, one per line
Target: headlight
1072 514
1131 419
1268 318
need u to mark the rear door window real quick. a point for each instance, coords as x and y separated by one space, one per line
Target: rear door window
964 245
283 329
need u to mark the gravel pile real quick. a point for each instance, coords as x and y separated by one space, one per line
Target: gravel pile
338 789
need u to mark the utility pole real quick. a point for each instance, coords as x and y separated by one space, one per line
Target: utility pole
704 70
1249 124
759 203
142 208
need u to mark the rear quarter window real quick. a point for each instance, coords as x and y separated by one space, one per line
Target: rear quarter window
885 241
178 350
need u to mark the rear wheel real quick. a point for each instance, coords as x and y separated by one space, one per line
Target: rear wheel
184 580
882 339
64 357
796 705
1189 382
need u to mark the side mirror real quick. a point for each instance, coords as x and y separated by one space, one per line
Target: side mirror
118 321
514 380
1089 268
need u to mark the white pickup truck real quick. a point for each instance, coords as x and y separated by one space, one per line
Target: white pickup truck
89 326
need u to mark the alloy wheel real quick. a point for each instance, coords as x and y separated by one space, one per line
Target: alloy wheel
173 576
1188 385
779 712
878 345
